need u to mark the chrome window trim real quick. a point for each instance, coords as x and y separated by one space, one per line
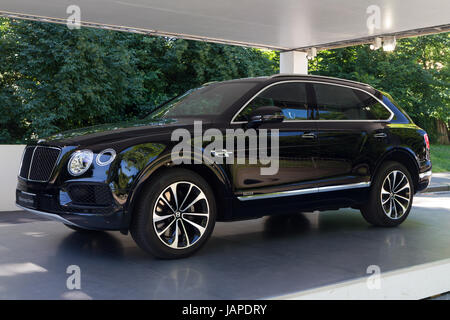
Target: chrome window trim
27 178
312 81
305 191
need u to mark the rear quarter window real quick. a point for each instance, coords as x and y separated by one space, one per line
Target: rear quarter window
343 103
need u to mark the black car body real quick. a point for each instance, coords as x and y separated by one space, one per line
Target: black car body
330 154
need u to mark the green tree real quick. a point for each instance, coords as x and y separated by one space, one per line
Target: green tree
54 79
416 74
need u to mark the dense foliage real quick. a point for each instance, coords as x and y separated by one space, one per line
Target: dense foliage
54 79
416 74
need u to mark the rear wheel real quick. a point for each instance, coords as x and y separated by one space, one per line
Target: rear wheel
391 196
175 215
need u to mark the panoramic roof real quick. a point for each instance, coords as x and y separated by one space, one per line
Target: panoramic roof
281 24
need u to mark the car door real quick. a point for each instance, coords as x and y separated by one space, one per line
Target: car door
348 120
298 144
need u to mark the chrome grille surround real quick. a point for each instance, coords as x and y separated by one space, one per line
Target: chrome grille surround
38 163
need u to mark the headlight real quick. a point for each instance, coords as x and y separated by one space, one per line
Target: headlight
80 162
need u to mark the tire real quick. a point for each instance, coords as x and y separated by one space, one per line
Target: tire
385 208
78 229
193 221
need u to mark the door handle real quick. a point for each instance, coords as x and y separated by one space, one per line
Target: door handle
309 136
221 153
380 135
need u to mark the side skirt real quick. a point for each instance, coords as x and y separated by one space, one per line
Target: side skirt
305 191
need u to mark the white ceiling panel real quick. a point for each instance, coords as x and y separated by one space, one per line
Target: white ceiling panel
278 24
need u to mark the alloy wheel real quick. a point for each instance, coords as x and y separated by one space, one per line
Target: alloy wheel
395 194
180 215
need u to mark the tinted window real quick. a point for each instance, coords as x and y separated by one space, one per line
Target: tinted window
290 97
212 99
341 103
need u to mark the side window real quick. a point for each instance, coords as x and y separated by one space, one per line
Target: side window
341 103
290 97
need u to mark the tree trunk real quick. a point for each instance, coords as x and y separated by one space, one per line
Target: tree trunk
442 132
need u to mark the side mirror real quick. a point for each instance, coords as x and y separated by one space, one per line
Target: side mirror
269 114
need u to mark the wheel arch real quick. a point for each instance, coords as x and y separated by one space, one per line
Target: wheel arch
406 157
212 173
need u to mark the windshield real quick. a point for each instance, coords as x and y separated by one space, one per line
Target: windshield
212 99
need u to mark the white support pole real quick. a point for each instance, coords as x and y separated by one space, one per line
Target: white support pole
293 62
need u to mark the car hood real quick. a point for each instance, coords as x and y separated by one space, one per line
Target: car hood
113 132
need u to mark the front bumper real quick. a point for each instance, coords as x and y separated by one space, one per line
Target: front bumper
52 202
51 216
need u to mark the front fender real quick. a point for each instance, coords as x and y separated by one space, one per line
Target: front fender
165 160
128 166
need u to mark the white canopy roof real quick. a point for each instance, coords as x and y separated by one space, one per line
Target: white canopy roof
275 24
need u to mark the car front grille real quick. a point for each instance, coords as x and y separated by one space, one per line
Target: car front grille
38 163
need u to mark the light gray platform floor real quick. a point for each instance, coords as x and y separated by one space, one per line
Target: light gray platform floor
251 259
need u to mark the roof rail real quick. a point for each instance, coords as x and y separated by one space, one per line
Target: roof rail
278 75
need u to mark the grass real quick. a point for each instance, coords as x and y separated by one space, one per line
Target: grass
440 157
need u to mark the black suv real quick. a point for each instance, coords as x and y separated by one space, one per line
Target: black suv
340 144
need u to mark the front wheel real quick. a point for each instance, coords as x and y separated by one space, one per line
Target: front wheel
391 196
175 215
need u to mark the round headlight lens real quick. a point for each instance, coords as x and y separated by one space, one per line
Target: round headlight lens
80 162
